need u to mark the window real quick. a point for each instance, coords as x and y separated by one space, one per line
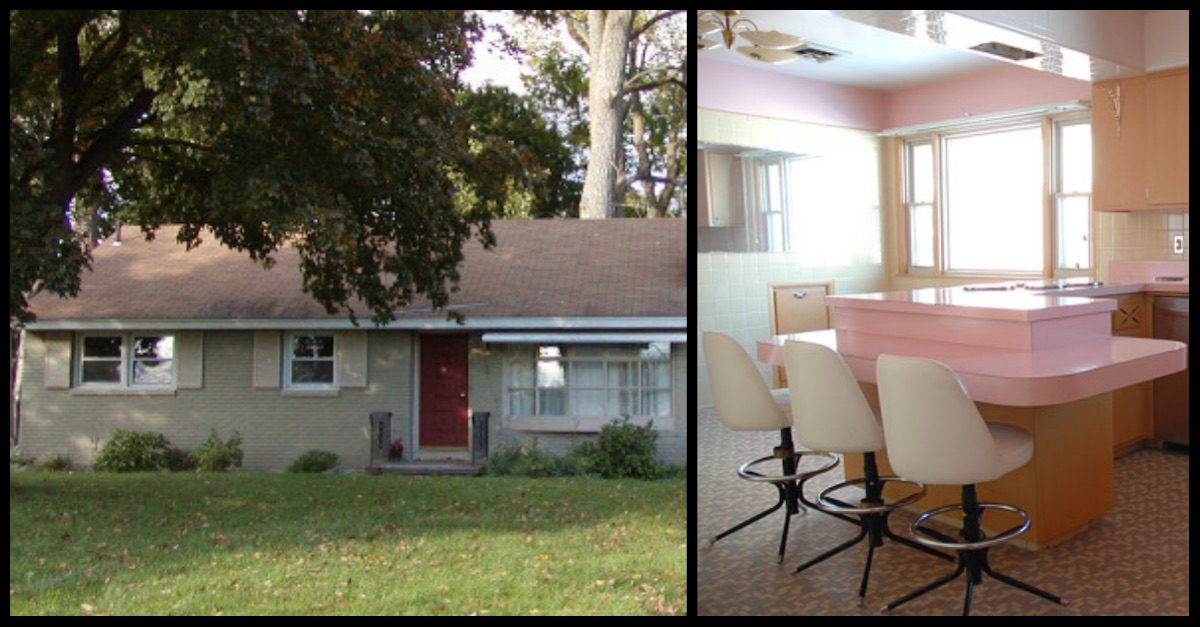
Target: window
774 222
975 201
309 361
994 201
126 361
590 381
1073 194
919 202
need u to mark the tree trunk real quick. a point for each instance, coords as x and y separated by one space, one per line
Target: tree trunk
608 35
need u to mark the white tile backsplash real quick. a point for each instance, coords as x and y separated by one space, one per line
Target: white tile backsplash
731 295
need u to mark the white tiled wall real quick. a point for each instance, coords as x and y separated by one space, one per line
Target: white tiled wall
731 291
731 288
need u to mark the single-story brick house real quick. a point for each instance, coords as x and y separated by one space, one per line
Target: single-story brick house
569 324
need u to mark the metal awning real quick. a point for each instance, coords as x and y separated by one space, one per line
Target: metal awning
584 338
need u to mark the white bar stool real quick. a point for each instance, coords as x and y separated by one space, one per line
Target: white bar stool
830 413
745 403
935 435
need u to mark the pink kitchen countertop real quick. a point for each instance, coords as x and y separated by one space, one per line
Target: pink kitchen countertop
1012 346
1004 376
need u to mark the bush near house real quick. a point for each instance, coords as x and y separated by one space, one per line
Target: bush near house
129 451
623 451
314 461
216 455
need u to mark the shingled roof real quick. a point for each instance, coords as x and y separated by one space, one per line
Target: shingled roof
539 268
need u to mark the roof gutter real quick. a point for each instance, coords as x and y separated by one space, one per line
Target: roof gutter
655 323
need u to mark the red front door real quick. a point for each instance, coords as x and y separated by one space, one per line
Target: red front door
443 391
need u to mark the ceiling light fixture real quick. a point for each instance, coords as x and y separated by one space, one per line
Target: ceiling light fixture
730 26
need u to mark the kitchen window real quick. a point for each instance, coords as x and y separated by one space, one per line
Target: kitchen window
976 203
126 361
821 208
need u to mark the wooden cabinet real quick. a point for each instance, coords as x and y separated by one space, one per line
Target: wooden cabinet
1140 142
797 307
719 187
1132 416
1167 124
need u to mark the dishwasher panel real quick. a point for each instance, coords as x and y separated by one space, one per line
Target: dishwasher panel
1171 392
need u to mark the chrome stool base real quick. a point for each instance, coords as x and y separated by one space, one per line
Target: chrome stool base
972 551
790 484
872 514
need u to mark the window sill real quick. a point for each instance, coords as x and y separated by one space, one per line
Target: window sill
311 393
588 424
99 391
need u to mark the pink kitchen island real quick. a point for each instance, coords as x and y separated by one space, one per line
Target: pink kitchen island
1045 363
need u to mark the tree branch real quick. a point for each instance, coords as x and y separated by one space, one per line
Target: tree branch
654 20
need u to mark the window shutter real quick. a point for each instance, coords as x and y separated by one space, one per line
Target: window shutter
352 359
189 353
266 359
57 373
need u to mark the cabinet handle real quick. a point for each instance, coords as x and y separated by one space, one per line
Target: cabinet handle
799 294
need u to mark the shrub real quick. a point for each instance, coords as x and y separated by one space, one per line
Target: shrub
622 450
180 460
526 461
57 463
129 451
314 461
217 456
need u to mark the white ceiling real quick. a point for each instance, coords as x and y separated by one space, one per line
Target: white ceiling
876 59
889 50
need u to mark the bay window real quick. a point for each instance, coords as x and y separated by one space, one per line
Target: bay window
980 201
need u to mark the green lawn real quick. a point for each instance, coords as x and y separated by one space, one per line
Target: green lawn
246 543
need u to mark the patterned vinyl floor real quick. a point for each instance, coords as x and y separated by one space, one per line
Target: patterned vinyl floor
1132 561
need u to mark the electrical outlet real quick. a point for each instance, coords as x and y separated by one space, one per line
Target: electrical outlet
1178 244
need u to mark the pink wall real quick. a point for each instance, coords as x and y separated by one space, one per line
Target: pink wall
738 89
1003 89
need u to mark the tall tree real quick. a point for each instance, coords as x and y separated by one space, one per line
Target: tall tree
608 38
335 131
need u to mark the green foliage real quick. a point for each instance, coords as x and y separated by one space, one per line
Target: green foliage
526 460
129 451
334 130
623 450
180 460
314 461
217 456
57 463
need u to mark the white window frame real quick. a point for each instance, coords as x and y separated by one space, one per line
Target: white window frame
1050 206
127 361
289 358
571 420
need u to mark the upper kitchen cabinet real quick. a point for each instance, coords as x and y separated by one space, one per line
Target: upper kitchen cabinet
719 184
1140 142
1167 126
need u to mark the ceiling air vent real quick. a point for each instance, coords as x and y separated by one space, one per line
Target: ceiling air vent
815 54
1005 51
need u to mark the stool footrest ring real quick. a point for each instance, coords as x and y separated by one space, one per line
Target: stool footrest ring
920 534
829 506
746 473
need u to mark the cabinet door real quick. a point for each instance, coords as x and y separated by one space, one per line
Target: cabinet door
1167 124
1119 148
723 187
797 307
702 186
